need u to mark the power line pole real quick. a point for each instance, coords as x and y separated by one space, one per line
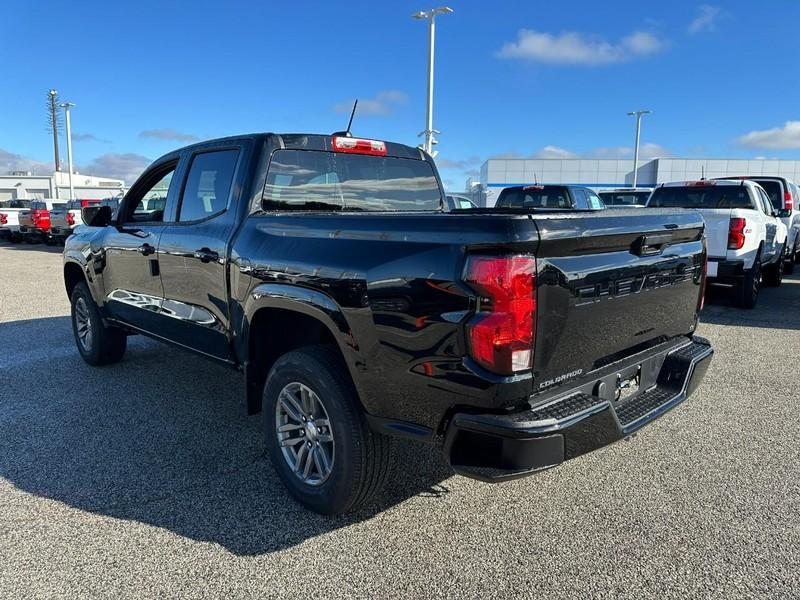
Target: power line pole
54 123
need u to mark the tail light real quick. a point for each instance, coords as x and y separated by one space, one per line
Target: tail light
787 200
736 233
359 146
70 219
501 336
3 219
41 218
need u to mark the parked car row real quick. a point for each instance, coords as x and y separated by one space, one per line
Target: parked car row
752 224
48 221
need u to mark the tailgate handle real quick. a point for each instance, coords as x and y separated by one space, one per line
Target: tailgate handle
646 245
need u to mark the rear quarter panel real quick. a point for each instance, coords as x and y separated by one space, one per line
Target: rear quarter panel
394 299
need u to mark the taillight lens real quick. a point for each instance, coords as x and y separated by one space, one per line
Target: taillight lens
736 233
70 219
787 200
502 334
3 219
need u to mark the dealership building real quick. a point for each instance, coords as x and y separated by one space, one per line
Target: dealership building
602 173
23 185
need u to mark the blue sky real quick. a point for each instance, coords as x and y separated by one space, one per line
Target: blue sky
516 79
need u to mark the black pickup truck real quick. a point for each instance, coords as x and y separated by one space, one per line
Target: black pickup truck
328 271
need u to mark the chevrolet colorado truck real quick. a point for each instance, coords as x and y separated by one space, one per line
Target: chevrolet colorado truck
327 270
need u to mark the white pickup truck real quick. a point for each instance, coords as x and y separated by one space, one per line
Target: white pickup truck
746 239
9 218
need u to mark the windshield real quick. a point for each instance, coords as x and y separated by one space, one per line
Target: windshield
709 196
315 180
535 197
625 198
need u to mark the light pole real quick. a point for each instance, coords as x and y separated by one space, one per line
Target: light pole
638 114
430 15
67 106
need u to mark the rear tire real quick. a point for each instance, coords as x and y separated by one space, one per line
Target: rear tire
773 275
791 261
326 454
747 293
97 344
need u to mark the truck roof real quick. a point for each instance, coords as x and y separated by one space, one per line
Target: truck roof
309 141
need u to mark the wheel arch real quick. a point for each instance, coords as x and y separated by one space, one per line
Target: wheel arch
280 318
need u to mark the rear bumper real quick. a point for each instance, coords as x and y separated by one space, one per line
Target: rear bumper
33 231
728 271
492 447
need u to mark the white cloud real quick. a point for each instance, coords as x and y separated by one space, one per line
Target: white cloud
777 138
554 152
575 48
706 19
169 134
126 166
10 161
88 137
384 103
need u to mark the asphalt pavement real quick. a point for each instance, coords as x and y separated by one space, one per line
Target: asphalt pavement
146 479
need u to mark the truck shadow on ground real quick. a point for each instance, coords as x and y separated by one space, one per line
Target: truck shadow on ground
161 438
52 248
777 308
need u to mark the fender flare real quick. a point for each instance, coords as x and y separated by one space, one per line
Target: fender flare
312 303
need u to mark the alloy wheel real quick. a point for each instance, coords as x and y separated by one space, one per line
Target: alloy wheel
83 324
304 433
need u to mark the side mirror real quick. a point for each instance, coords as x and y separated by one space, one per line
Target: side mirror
784 213
96 216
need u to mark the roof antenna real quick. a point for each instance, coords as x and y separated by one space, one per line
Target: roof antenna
347 133
702 172
535 180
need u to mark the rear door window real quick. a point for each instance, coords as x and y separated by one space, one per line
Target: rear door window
208 185
328 181
595 203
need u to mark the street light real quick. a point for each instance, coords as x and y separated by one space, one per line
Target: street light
67 106
430 15
638 114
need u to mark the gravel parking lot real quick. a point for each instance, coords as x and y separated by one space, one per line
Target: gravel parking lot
147 479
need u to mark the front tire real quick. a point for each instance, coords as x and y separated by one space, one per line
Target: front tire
791 261
97 344
316 434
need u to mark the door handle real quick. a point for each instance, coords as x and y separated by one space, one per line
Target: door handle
146 249
206 255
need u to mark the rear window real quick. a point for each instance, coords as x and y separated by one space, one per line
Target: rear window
719 196
15 204
533 197
315 180
624 198
774 190
78 204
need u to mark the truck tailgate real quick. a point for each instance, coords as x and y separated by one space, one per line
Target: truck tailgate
613 284
717 226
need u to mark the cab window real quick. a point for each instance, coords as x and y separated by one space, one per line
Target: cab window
208 185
